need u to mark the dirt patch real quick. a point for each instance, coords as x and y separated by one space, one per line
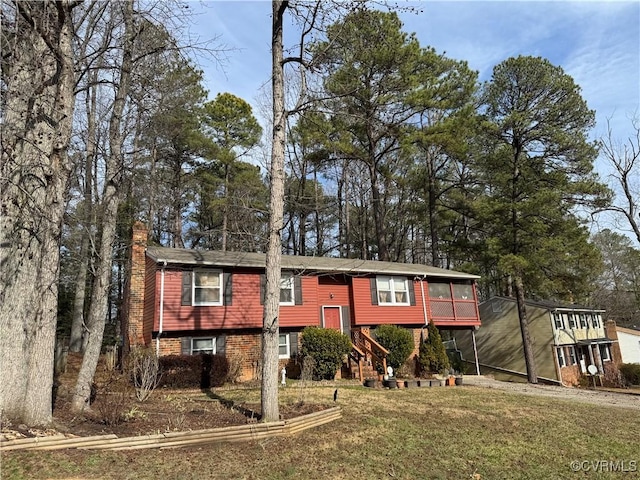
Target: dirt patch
115 409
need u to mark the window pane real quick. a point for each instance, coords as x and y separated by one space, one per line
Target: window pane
286 288
399 284
384 284
285 296
207 295
283 345
463 292
202 345
439 290
401 297
207 279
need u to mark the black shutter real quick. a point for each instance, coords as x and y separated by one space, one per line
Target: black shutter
221 341
412 293
297 290
293 344
374 291
263 286
185 298
346 321
186 345
228 288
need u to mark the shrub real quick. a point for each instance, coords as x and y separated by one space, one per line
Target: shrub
327 347
631 373
145 370
193 371
433 356
399 342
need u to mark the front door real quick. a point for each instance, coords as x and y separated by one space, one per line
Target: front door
331 318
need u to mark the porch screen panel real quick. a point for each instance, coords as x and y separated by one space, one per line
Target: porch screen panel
465 310
441 309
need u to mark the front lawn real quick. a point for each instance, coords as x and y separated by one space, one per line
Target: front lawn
420 433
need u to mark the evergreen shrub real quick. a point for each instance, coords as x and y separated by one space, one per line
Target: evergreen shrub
433 355
399 342
327 347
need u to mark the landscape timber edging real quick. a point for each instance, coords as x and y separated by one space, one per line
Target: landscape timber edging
241 433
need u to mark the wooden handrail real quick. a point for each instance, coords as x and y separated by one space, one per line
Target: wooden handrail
369 348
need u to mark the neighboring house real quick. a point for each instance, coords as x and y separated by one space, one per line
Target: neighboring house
190 301
629 342
566 340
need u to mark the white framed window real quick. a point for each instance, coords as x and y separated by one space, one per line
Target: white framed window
573 359
203 345
572 321
287 289
207 287
558 321
284 346
560 353
605 352
392 290
595 319
583 321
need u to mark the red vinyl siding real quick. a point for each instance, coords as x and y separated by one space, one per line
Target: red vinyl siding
333 292
317 291
466 312
305 314
245 311
150 303
368 314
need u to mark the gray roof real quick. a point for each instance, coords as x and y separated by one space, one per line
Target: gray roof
178 256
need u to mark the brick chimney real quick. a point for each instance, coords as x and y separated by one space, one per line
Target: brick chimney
133 324
612 334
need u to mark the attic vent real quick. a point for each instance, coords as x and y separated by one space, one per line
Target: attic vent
496 306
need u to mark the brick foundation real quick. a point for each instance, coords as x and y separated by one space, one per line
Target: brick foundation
242 350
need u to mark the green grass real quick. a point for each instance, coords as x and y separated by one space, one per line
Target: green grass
425 433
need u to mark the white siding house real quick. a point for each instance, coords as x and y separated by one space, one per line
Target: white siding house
629 341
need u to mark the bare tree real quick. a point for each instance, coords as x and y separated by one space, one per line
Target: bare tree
37 111
625 160
111 199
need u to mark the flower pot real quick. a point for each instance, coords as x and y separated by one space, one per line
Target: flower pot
400 383
390 383
370 382
458 381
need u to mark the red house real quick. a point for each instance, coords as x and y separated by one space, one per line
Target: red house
190 301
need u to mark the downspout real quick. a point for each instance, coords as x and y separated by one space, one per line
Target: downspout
161 309
424 305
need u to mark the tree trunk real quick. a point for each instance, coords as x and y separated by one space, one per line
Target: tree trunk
77 324
270 327
529 357
34 173
111 199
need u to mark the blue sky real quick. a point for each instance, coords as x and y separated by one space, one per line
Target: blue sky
596 42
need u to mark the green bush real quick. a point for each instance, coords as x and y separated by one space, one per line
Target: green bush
327 347
399 342
631 373
433 356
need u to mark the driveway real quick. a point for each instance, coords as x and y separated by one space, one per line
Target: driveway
598 397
